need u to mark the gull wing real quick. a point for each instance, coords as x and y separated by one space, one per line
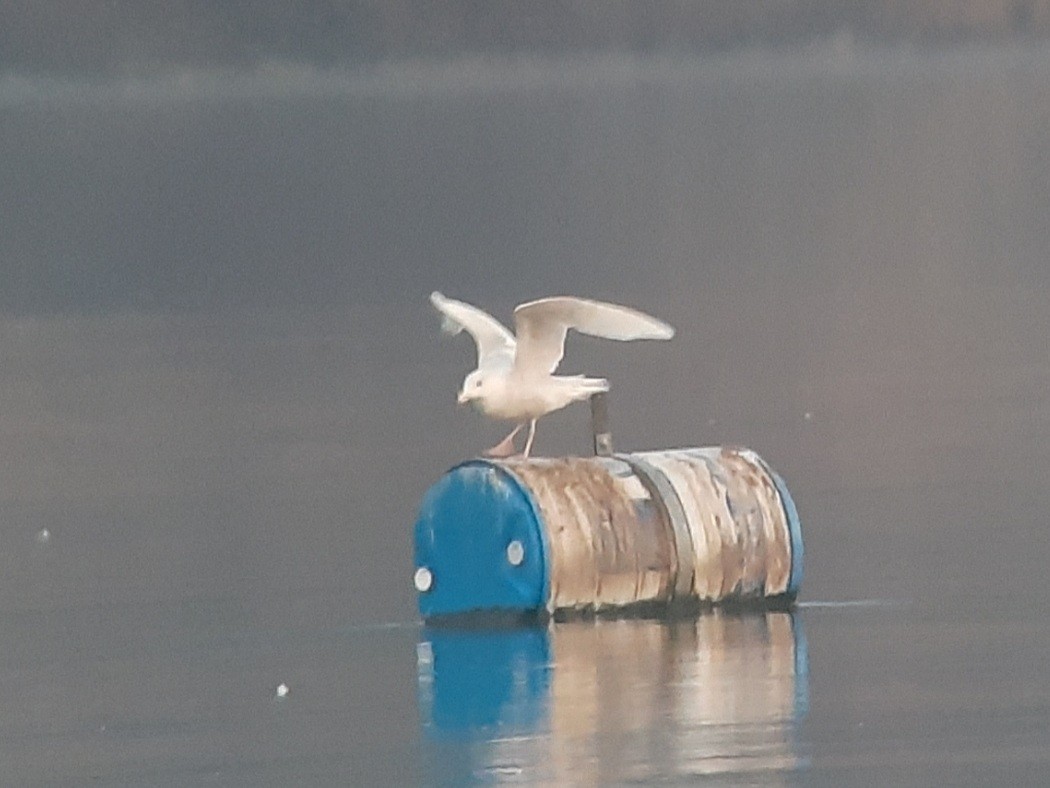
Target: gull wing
494 342
541 327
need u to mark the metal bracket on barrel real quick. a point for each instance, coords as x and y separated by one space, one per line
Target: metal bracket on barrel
663 493
603 443
660 490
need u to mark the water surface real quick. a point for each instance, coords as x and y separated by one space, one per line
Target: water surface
223 394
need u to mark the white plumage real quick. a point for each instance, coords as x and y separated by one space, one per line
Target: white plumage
514 378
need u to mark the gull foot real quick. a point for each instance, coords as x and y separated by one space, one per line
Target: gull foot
505 448
502 450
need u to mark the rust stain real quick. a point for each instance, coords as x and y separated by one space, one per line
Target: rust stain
730 532
608 547
735 515
697 502
612 544
768 527
750 528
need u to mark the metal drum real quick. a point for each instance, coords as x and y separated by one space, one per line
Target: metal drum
591 534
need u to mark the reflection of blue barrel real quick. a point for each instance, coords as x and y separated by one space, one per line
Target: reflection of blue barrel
719 695
647 529
472 680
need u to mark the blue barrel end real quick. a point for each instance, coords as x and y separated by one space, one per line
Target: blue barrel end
795 529
479 545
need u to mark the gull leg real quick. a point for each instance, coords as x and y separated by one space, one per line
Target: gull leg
528 442
505 448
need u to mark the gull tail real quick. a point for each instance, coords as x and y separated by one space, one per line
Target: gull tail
582 387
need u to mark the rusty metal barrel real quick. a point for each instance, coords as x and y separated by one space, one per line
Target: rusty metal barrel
594 534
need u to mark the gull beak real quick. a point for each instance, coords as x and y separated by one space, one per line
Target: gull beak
462 398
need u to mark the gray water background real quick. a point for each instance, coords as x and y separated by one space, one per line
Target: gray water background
223 393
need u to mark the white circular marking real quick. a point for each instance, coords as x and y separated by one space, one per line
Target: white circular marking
515 553
423 579
282 690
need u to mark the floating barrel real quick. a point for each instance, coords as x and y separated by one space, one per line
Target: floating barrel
551 535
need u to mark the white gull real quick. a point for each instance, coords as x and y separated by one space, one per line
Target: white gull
514 379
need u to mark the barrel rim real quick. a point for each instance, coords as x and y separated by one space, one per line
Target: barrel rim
798 550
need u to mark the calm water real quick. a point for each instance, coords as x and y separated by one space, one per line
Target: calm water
223 393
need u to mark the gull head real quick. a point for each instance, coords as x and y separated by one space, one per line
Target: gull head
475 388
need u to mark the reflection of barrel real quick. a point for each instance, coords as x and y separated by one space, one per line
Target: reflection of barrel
612 702
490 680
659 528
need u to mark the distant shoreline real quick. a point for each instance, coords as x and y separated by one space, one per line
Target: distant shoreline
127 36
835 58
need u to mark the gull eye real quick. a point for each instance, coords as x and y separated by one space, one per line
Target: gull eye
477 384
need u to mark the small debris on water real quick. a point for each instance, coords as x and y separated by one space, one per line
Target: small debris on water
282 690
502 771
807 416
43 536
